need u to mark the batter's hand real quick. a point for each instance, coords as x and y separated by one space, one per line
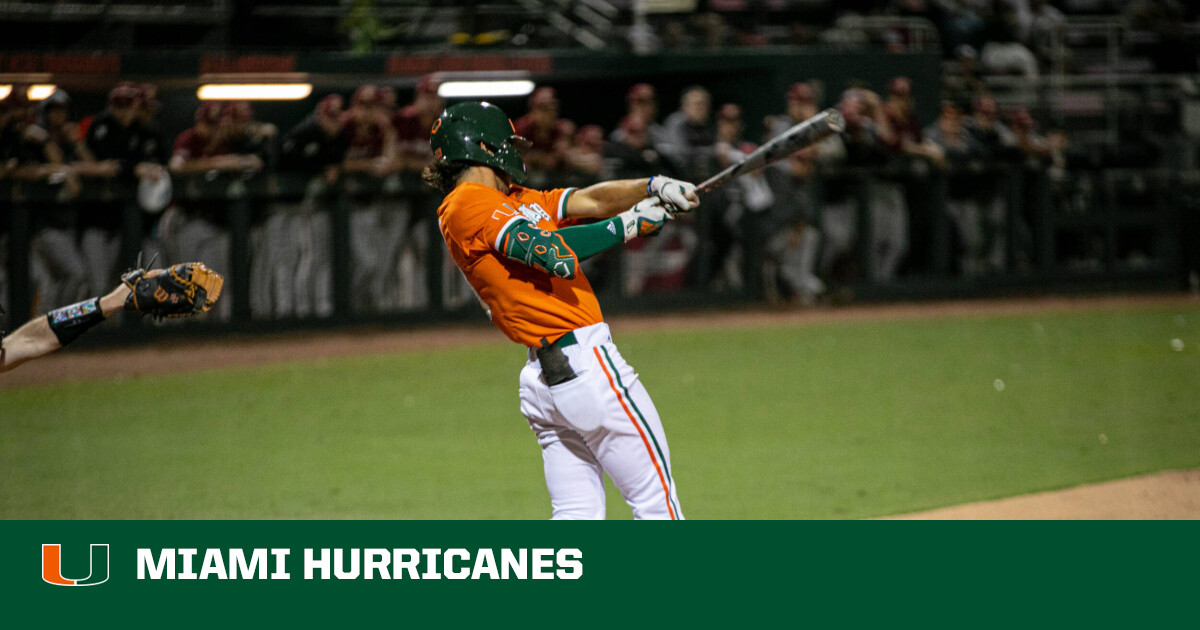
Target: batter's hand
679 194
646 218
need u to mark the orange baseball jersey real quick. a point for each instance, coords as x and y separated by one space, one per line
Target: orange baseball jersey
525 303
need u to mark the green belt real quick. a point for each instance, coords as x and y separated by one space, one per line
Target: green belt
565 340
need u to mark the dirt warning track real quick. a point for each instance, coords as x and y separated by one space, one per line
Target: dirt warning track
242 350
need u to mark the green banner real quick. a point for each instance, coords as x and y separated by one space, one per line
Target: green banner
451 574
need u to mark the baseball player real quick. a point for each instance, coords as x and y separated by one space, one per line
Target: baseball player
520 249
179 291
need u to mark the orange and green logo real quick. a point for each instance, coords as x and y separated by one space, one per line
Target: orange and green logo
52 566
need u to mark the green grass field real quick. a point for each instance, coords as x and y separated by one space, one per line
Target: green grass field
831 420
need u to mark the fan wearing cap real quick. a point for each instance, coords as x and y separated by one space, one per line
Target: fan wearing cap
316 146
635 153
901 113
370 136
413 122
586 157
550 136
115 139
300 270
247 136
747 200
521 250
641 102
376 228
198 229
204 147
796 239
59 269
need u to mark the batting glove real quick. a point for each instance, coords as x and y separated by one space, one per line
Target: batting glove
679 194
646 218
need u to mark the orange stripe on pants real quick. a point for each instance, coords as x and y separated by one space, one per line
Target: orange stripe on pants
645 441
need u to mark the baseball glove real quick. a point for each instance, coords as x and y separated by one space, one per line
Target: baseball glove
178 291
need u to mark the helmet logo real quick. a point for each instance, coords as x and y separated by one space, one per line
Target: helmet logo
437 154
437 124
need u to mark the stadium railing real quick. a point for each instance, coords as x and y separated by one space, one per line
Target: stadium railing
1104 228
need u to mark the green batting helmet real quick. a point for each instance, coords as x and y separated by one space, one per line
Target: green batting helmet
478 132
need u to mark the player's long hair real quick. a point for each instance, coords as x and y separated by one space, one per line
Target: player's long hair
444 175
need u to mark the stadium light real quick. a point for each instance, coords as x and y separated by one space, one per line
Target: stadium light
484 89
254 92
5 90
40 92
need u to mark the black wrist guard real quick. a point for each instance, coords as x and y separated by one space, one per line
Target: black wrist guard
69 322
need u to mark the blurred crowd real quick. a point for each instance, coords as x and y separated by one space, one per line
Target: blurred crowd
789 231
1017 37
806 221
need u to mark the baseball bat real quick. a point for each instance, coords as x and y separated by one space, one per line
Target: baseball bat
803 135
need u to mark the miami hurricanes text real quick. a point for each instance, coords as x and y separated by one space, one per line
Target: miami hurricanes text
356 564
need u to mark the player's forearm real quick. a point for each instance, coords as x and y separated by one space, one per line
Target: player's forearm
592 239
606 199
30 341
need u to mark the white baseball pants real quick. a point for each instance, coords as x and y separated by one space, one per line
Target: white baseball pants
629 444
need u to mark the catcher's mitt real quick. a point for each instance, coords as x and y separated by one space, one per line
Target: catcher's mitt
177 291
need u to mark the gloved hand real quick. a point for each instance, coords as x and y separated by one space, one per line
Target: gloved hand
646 218
679 194
179 291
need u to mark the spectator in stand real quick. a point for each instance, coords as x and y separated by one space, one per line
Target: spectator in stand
44 155
996 140
661 262
54 113
414 121
865 143
690 136
198 230
1039 24
1004 53
641 101
901 113
7 163
998 147
1038 153
155 147
302 283
550 135
247 136
586 157
413 124
126 151
795 241
376 229
370 136
635 154
962 82
910 230
156 150
316 146
744 202
878 146
962 153
962 25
